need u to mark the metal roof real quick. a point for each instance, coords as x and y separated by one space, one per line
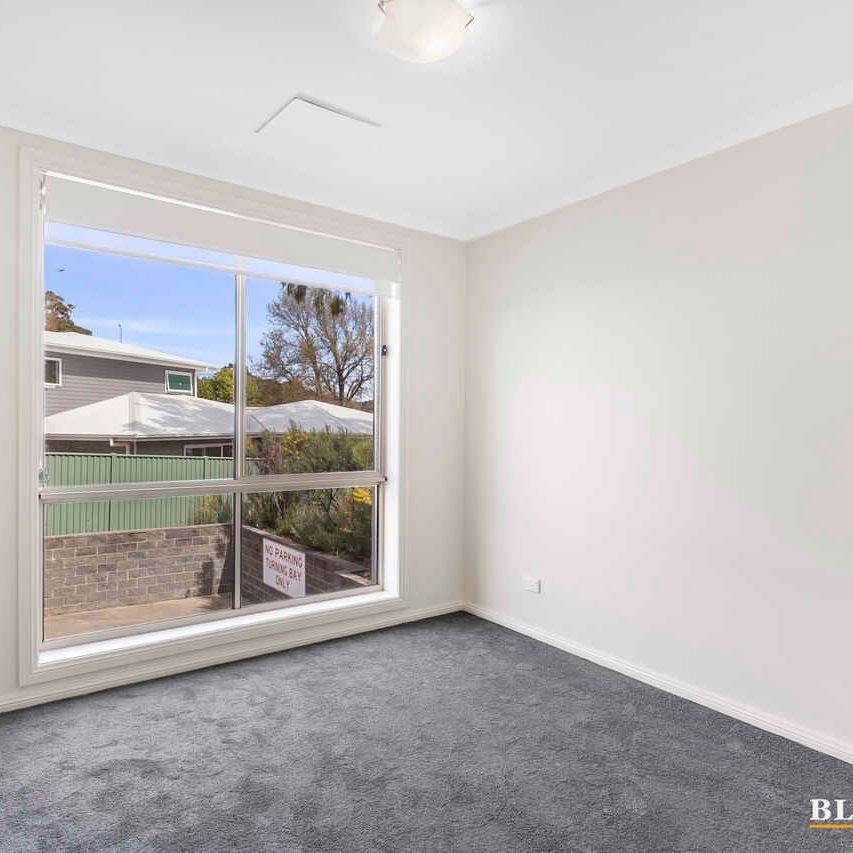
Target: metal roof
78 344
141 415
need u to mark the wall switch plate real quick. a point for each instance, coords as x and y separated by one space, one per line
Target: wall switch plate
532 585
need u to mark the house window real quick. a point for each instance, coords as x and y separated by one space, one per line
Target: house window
137 385
262 485
179 383
210 450
53 372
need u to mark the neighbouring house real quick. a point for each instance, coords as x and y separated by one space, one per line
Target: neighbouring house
83 369
102 396
175 425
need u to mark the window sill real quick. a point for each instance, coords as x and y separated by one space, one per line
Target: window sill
207 643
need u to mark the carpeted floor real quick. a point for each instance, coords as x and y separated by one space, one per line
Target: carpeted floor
449 734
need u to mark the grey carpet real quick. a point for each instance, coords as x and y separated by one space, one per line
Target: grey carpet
448 734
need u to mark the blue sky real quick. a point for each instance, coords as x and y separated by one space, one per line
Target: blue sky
167 307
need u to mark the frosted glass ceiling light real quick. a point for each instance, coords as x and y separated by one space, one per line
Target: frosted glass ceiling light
423 30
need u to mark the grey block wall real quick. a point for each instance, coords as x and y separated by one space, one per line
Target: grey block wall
90 571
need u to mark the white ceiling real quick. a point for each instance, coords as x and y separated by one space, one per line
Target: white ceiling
549 102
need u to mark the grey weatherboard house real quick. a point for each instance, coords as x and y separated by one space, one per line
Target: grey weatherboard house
82 369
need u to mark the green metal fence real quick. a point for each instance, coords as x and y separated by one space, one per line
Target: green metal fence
88 469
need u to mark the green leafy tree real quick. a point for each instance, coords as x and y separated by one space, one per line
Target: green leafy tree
212 509
272 392
333 521
57 315
298 452
220 387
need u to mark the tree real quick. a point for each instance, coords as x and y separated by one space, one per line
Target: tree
334 521
220 387
300 452
321 340
57 315
272 393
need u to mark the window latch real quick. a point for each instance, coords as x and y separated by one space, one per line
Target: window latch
44 478
383 350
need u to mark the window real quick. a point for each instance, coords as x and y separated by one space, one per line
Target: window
215 450
53 372
174 558
127 389
255 478
179 383
301 544
322 417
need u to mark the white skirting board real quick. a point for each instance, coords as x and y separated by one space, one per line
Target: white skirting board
744 713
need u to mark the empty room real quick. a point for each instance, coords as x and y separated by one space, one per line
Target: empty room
427 426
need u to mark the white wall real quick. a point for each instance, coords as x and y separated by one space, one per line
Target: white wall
433 298
660 426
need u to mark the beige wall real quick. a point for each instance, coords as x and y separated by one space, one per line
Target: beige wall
433 298
660 426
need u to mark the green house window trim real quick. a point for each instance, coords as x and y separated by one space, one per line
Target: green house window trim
178 382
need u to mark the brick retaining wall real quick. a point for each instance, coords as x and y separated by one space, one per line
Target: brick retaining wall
322 572
90 571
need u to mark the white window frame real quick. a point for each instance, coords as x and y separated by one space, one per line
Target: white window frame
183 644
221 447
188 373
58 383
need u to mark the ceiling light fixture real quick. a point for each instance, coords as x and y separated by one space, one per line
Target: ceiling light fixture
423 30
